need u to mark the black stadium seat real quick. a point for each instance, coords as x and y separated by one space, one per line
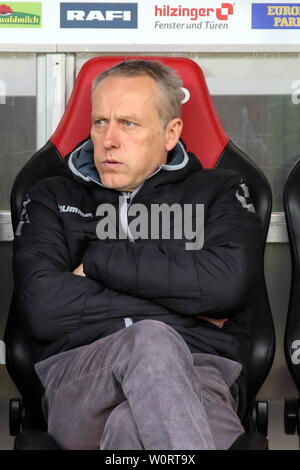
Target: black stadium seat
205 136
291 201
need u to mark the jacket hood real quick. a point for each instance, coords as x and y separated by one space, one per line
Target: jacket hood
81 162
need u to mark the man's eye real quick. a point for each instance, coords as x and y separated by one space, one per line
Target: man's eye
99 122
129 124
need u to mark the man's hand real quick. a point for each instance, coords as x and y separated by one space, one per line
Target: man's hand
79 271
218 322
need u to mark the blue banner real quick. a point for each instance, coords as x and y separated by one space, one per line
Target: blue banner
275 16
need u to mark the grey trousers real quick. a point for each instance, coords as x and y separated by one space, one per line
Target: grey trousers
140 388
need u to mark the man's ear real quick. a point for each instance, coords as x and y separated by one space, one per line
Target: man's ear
173 132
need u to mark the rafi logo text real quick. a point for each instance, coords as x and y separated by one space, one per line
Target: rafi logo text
98 15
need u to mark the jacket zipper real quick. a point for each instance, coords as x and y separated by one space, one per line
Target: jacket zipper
128 199
124 214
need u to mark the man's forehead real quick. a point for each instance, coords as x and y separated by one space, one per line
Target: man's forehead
128 87
136 92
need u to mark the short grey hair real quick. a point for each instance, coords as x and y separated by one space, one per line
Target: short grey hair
169 84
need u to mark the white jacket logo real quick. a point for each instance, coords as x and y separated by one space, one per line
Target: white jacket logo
74 210
243 196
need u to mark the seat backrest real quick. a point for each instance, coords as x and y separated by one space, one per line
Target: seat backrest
202 131
204 135
291 202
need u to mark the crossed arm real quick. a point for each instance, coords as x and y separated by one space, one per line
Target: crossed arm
217 322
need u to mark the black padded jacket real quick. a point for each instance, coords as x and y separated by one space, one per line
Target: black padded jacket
149 278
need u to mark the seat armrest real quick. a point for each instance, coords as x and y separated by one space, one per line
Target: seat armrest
250 441
34 439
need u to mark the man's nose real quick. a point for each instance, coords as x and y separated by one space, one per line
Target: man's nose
111 136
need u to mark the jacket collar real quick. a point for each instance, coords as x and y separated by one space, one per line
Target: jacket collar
81 162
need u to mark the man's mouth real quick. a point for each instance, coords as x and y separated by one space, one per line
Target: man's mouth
111 163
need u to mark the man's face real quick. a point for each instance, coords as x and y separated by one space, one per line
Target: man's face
130 141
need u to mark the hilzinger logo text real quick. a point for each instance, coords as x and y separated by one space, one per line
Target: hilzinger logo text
222 13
